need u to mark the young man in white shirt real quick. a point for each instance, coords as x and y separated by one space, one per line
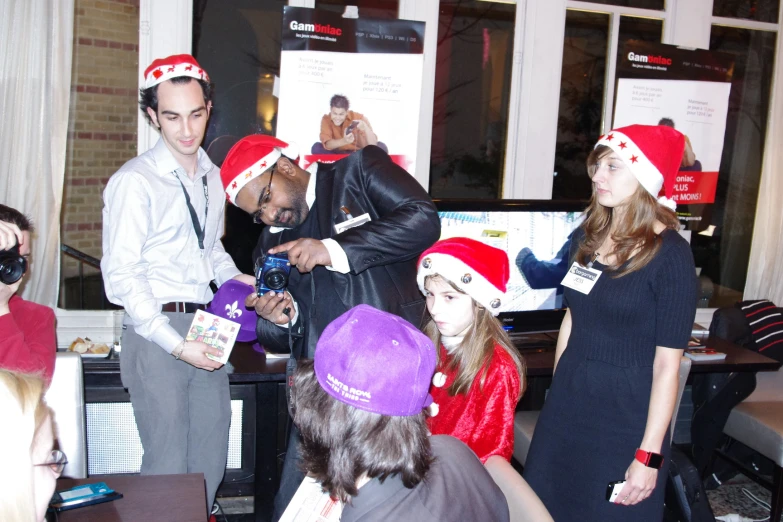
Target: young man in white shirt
162 223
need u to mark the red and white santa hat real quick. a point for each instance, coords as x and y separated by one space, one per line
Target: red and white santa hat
173 66
479 270
653 153
249 158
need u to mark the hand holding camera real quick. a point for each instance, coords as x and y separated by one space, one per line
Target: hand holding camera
12 264
272 306
305 254
270 299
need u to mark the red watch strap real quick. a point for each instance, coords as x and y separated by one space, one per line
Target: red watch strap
649 459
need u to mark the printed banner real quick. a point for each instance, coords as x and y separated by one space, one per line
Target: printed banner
688 90
346 83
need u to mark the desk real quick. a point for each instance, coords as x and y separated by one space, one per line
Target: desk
150 498
255 379
541 362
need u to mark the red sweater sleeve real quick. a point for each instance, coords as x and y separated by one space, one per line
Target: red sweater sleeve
27 338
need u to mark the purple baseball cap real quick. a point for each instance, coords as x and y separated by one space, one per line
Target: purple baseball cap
229 302
376 361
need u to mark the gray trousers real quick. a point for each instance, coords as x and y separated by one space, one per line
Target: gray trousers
182 412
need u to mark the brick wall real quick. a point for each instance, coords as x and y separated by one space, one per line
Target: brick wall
103 116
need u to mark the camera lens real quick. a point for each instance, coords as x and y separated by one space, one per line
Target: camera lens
12 268
275 278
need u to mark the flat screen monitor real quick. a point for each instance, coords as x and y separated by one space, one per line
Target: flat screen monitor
535 234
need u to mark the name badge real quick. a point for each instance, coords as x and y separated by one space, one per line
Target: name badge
353 222
580 278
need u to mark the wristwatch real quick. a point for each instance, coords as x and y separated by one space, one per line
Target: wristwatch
649 459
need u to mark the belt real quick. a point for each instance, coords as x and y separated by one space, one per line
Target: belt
182 307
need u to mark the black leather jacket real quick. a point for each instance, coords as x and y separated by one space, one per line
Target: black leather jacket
382 253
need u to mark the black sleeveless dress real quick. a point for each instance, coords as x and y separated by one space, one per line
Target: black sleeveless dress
596 410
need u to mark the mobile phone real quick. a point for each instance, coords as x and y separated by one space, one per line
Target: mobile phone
352 126
85 495
613 490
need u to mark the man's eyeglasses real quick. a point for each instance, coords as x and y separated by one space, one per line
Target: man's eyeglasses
56 462
263 201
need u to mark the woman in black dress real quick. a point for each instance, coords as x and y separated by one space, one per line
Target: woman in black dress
607 414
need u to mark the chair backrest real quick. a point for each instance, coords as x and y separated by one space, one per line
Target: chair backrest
523 503
66 398
769 387
685 369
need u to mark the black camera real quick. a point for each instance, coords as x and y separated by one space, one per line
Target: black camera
272 273
12 265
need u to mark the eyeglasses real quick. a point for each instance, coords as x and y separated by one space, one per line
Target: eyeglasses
263 201
56 462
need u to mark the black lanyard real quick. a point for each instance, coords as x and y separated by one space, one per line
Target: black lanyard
200 231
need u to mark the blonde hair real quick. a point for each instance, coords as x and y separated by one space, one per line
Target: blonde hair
635 240
23 412
477 348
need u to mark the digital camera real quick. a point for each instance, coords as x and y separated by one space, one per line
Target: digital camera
12 265
272 273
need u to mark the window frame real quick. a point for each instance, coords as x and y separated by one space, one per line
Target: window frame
166 27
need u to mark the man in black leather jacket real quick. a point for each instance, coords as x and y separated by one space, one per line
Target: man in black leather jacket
352 230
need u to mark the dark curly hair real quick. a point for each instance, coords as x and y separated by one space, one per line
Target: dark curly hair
11 215
341 443
148 98
339 101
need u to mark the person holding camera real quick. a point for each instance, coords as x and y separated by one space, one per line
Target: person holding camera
352 231
27 330
162 222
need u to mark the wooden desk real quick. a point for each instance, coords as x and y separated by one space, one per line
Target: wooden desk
151 498
265 421
541 362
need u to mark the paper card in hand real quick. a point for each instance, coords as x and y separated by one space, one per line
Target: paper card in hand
215 331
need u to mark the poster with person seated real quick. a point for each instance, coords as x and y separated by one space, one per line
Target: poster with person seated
688 90
346 83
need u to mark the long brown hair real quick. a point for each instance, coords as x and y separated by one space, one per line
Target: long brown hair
635 240
477 348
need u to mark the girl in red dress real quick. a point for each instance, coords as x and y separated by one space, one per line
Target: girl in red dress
480 377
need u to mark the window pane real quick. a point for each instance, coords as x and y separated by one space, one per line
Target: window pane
582 92
641 4
634 28
759 10
238 43
472 86
724 255
102 127
581 101
384 9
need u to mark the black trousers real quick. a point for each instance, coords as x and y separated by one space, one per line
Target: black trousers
292 475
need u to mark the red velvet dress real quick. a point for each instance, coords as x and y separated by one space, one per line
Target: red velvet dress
484 418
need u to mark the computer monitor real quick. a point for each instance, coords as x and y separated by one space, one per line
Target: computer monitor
535 234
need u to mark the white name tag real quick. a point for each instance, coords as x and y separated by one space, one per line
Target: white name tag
580 278
353 222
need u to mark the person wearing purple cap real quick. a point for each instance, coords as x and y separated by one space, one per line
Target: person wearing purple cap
360 406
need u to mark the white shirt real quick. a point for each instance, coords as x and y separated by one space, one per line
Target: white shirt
336 253
150 249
